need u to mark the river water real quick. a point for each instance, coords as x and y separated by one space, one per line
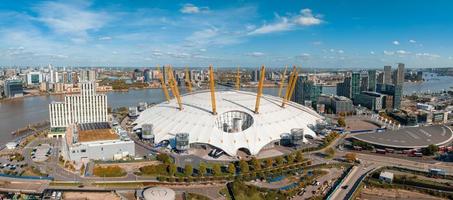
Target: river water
20 112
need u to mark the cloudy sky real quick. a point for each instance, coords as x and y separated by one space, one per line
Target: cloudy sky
312 34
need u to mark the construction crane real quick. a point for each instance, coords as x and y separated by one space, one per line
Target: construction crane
288 87
164 85
174 86
238 80
212 87
260 90
282 81
188 82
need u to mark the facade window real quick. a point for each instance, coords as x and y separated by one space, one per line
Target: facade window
83 150
102 148
73 151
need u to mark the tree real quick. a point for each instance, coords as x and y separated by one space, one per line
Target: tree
217 169
341 122
430 150
279 160
256 163
188 170
202 169
165 158
172 169
299 156
244 166
269 162
290 158
329 152
231 169
351 157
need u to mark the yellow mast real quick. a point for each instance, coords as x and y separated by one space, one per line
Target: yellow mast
188 82
288 87
293 85
164 85
238 80
282 81
211 86
174 86
260 90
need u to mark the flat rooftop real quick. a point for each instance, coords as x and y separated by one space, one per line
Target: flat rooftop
91 132
412 137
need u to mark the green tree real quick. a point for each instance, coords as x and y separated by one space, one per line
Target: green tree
279 160
269 162
231 169
244 166
256 163
202 169
341 122
299 156
217 169
172 169
430 150
188 170
290 158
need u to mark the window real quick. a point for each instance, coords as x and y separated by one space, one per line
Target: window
102 148
83 150
73 151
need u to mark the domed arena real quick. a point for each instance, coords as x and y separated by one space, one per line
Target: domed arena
235 126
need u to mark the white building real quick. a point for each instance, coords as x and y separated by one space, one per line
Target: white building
95 141
86 107
34 78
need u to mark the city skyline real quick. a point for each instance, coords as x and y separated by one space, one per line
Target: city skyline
367 34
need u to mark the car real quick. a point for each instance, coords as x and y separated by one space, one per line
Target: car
345 187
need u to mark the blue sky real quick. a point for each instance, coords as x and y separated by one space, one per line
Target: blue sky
311 34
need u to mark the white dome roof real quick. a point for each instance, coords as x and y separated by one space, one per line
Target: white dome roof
197 120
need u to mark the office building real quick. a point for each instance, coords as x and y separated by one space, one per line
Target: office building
370 100
387 74
336 104
86 107
364 82
372 80
399 78
298 95
13 88
355 85
344 88
88 75
34 78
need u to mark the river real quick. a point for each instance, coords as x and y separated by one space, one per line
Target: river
17 113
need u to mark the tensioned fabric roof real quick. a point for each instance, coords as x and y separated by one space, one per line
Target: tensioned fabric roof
197 120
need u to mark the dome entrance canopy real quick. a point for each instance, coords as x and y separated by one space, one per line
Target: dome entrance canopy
234 121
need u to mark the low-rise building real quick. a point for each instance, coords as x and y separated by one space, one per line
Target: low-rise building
386 177
370 100
95 141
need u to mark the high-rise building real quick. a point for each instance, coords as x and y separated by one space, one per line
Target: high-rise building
13 88
34 78
299 89
344 88
372 80
387 74
400 75
364 81
355 85
87 107
306 90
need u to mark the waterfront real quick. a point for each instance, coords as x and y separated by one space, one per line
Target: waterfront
17 113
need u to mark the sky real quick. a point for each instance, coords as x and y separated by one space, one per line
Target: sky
311 34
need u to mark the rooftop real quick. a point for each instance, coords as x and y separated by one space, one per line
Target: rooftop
91 132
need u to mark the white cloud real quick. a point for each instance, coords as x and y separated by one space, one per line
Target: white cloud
105 38
340 51
372 52
71 19
282 25
389 53
306 18
396 42
428 55
203 50
317 43
255 54
412 41
402 52
192 9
